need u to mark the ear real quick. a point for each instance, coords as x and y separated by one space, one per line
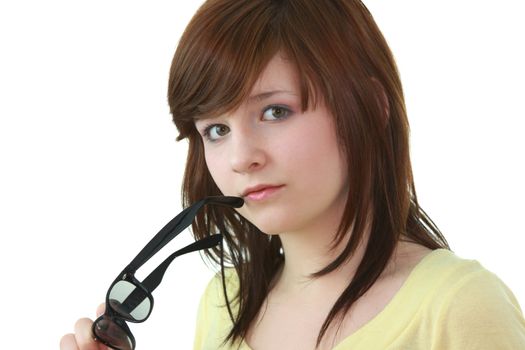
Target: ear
382 99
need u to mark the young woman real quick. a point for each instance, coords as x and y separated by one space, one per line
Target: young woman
297 106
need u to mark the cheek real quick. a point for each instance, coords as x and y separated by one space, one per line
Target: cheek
216 168
317 156
312 146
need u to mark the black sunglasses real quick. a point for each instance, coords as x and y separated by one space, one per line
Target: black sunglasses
129 299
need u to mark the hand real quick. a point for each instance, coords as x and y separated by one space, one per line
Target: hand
82 339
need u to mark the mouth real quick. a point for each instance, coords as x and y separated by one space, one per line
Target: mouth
261 192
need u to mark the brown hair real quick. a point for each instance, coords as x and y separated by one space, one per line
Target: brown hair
342 57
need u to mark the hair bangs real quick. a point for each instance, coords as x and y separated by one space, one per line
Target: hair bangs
218 62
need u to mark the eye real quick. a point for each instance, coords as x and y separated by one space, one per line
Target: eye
276 112
214 131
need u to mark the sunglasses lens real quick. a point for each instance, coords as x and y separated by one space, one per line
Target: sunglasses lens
112 334
129 301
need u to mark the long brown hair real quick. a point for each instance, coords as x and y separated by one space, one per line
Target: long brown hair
342 57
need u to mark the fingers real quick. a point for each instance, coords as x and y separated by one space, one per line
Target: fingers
68 342
83 336
82 339
100 309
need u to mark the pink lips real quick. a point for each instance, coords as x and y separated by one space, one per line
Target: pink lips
262 193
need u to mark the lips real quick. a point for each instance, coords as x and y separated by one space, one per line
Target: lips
259 188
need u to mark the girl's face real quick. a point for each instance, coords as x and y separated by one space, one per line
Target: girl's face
269 141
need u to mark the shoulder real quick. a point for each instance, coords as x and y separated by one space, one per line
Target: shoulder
213 300
213 318
452 276
214 292
472 307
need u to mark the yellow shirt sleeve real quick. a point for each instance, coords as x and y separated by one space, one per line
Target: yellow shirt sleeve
213 320
479 312
202 320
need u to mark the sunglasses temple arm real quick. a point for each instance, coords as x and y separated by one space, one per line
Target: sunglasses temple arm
166 234
155 277
176 226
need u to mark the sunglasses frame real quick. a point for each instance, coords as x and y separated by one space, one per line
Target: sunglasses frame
148 285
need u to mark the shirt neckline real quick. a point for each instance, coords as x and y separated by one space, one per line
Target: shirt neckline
397 301
393 304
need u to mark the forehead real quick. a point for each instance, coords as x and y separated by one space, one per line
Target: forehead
279 75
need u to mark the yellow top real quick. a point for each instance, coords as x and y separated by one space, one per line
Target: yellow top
445 303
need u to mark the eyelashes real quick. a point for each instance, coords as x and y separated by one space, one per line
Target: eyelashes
208 130
213 131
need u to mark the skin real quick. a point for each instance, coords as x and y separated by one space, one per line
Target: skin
269 140
82 339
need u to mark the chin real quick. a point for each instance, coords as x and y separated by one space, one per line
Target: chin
273 227
272 219
270 232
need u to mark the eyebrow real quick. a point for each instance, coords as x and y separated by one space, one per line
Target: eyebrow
268 94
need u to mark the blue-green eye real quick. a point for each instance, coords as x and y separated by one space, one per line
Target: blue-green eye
276 112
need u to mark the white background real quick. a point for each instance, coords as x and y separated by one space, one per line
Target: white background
90 170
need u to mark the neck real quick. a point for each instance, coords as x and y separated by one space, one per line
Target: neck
309 250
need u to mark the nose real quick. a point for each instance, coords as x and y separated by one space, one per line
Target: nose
247 152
